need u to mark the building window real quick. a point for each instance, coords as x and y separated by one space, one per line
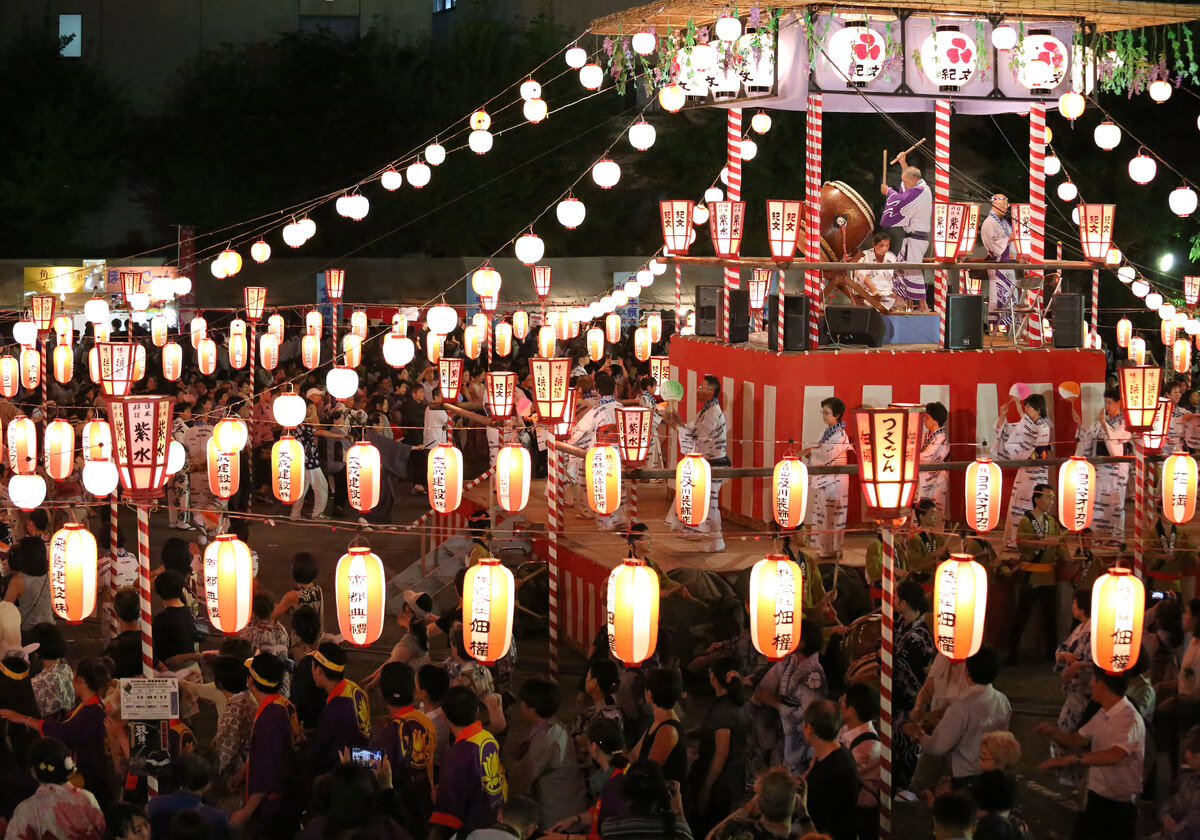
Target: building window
443 5
71 26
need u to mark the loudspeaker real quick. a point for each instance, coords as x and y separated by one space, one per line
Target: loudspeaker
795 322
852 325
1066 316
709 313
965 317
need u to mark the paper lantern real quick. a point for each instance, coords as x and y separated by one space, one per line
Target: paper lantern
96 440
471 342
341 382
254 297
116 366
693 478
363 472
784 219
562 429
10 376
22 445
238 351
206 356
520 324
1139 395
314 322
1182 201
158 330
358 323
418 174
529 249
101 331
642 135
948 220
1143 168
260 251
1154 438
27 491
571 212
434 344
444 478
31 368
634 427
1076 493
654 325
760 281
64 330
612 327
513 469
959 607
632 614
441 319
503 338
197 330
1095 230
1022 228
141 432
1181 355
59 449
73 566
64 364
450 373
888 455
287 469
230 435
857 53
595 344
499 392
726 223
660 371
671 98
268 351
551 382
1179 488
1118 605
435 154
1124 332
489 597
602 479
398 350
948 58
676 217
310 350
1137 350
641 344
275 326
224 471
228 583
1042 61
789 492
100 478
776 598
42 311
985 487
968 232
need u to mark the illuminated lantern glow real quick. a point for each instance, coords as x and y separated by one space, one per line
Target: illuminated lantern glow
1143 168
1179 476
310 350
59 449
520 324
513 468
529 248
398 350
471 342
352 349
888 455
10 376
260 251
363 472
499 392
238 351
644 43
671 98
776 588
551 383
444 478
22 445
288 480
268 351
224 471
489 598
1181 356
27 491
358 323
1125 331
341 382
100 478
642 135
504 338
1182 201
759 282
606 173
1042 62
96 309
228 583
591 76
64 364
602 478
1139 395
1166 331
1191 289
660 371
1154 439
969 230
726 224
1095 230
959 607
96 440
360 596
632 611
441 319
984 486
676 217
948 58
948 220
641 344
73 567
857 52
612 327
693 478
31 368
570 212
1076 493
1118 604
547 338
64 330
434 342
1022 228
789 492
1137 350
206 356
42 311
158 330
450 378
634 427
141 436
275 326
654 325
116 368
198 330
230 435
562 429
1160 90
101 331
314 322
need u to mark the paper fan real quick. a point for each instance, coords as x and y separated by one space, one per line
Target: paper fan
1069 390
1020 390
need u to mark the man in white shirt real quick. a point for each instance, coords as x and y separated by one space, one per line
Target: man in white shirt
860 707
980 709
878 281
1115 740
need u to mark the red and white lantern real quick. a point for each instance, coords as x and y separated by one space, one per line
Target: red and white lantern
363 471
693 478
59 449
789 492
783 227
444 478
360 591
513 469
776 601
73 566
676 216
726 223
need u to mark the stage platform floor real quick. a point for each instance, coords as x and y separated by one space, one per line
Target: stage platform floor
758 341
743 546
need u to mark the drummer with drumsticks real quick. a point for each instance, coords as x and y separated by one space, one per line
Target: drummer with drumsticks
910 208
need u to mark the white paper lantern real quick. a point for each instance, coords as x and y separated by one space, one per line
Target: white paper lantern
761 122
606 173
1143 168
27 491
530 89
535 110
1182 201
570 212
1107 136
1067 191
418 174
342 382
1159 90
529 248
100 477
642 134
1051 165
176 457
435 154
576 57
644 43
1004 37
591 76
391 180
480 141
1042 61
441 319
857 53
948 58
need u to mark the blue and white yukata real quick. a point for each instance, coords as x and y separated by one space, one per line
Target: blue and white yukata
597 427
912 210
830 493
1109 437
1020 441
707 437
934 450
996 237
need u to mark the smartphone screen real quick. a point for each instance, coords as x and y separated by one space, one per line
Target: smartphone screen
365 757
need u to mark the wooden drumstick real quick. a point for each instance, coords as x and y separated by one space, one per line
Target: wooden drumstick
883 180
909 149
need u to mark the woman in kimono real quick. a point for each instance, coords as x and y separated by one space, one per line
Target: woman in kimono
914 654
830 493
935 448
1073 664
789 687
1027 438
1108 436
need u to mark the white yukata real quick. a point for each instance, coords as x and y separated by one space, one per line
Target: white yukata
830 493
1108 438
996 236
705 436
654 453
1018 442
878 281
934 450
1174 441
912 210
597 426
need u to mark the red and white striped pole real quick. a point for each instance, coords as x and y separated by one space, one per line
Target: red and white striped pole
678 297
812 205
941 192
1096 301
1037 205
885 680
43 373
780 308
733 167
554 513
1139 504
113 526
632 512
143 523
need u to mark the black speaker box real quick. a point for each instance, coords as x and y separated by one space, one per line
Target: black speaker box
852 325
1066 316
709 313
795 322
965 317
